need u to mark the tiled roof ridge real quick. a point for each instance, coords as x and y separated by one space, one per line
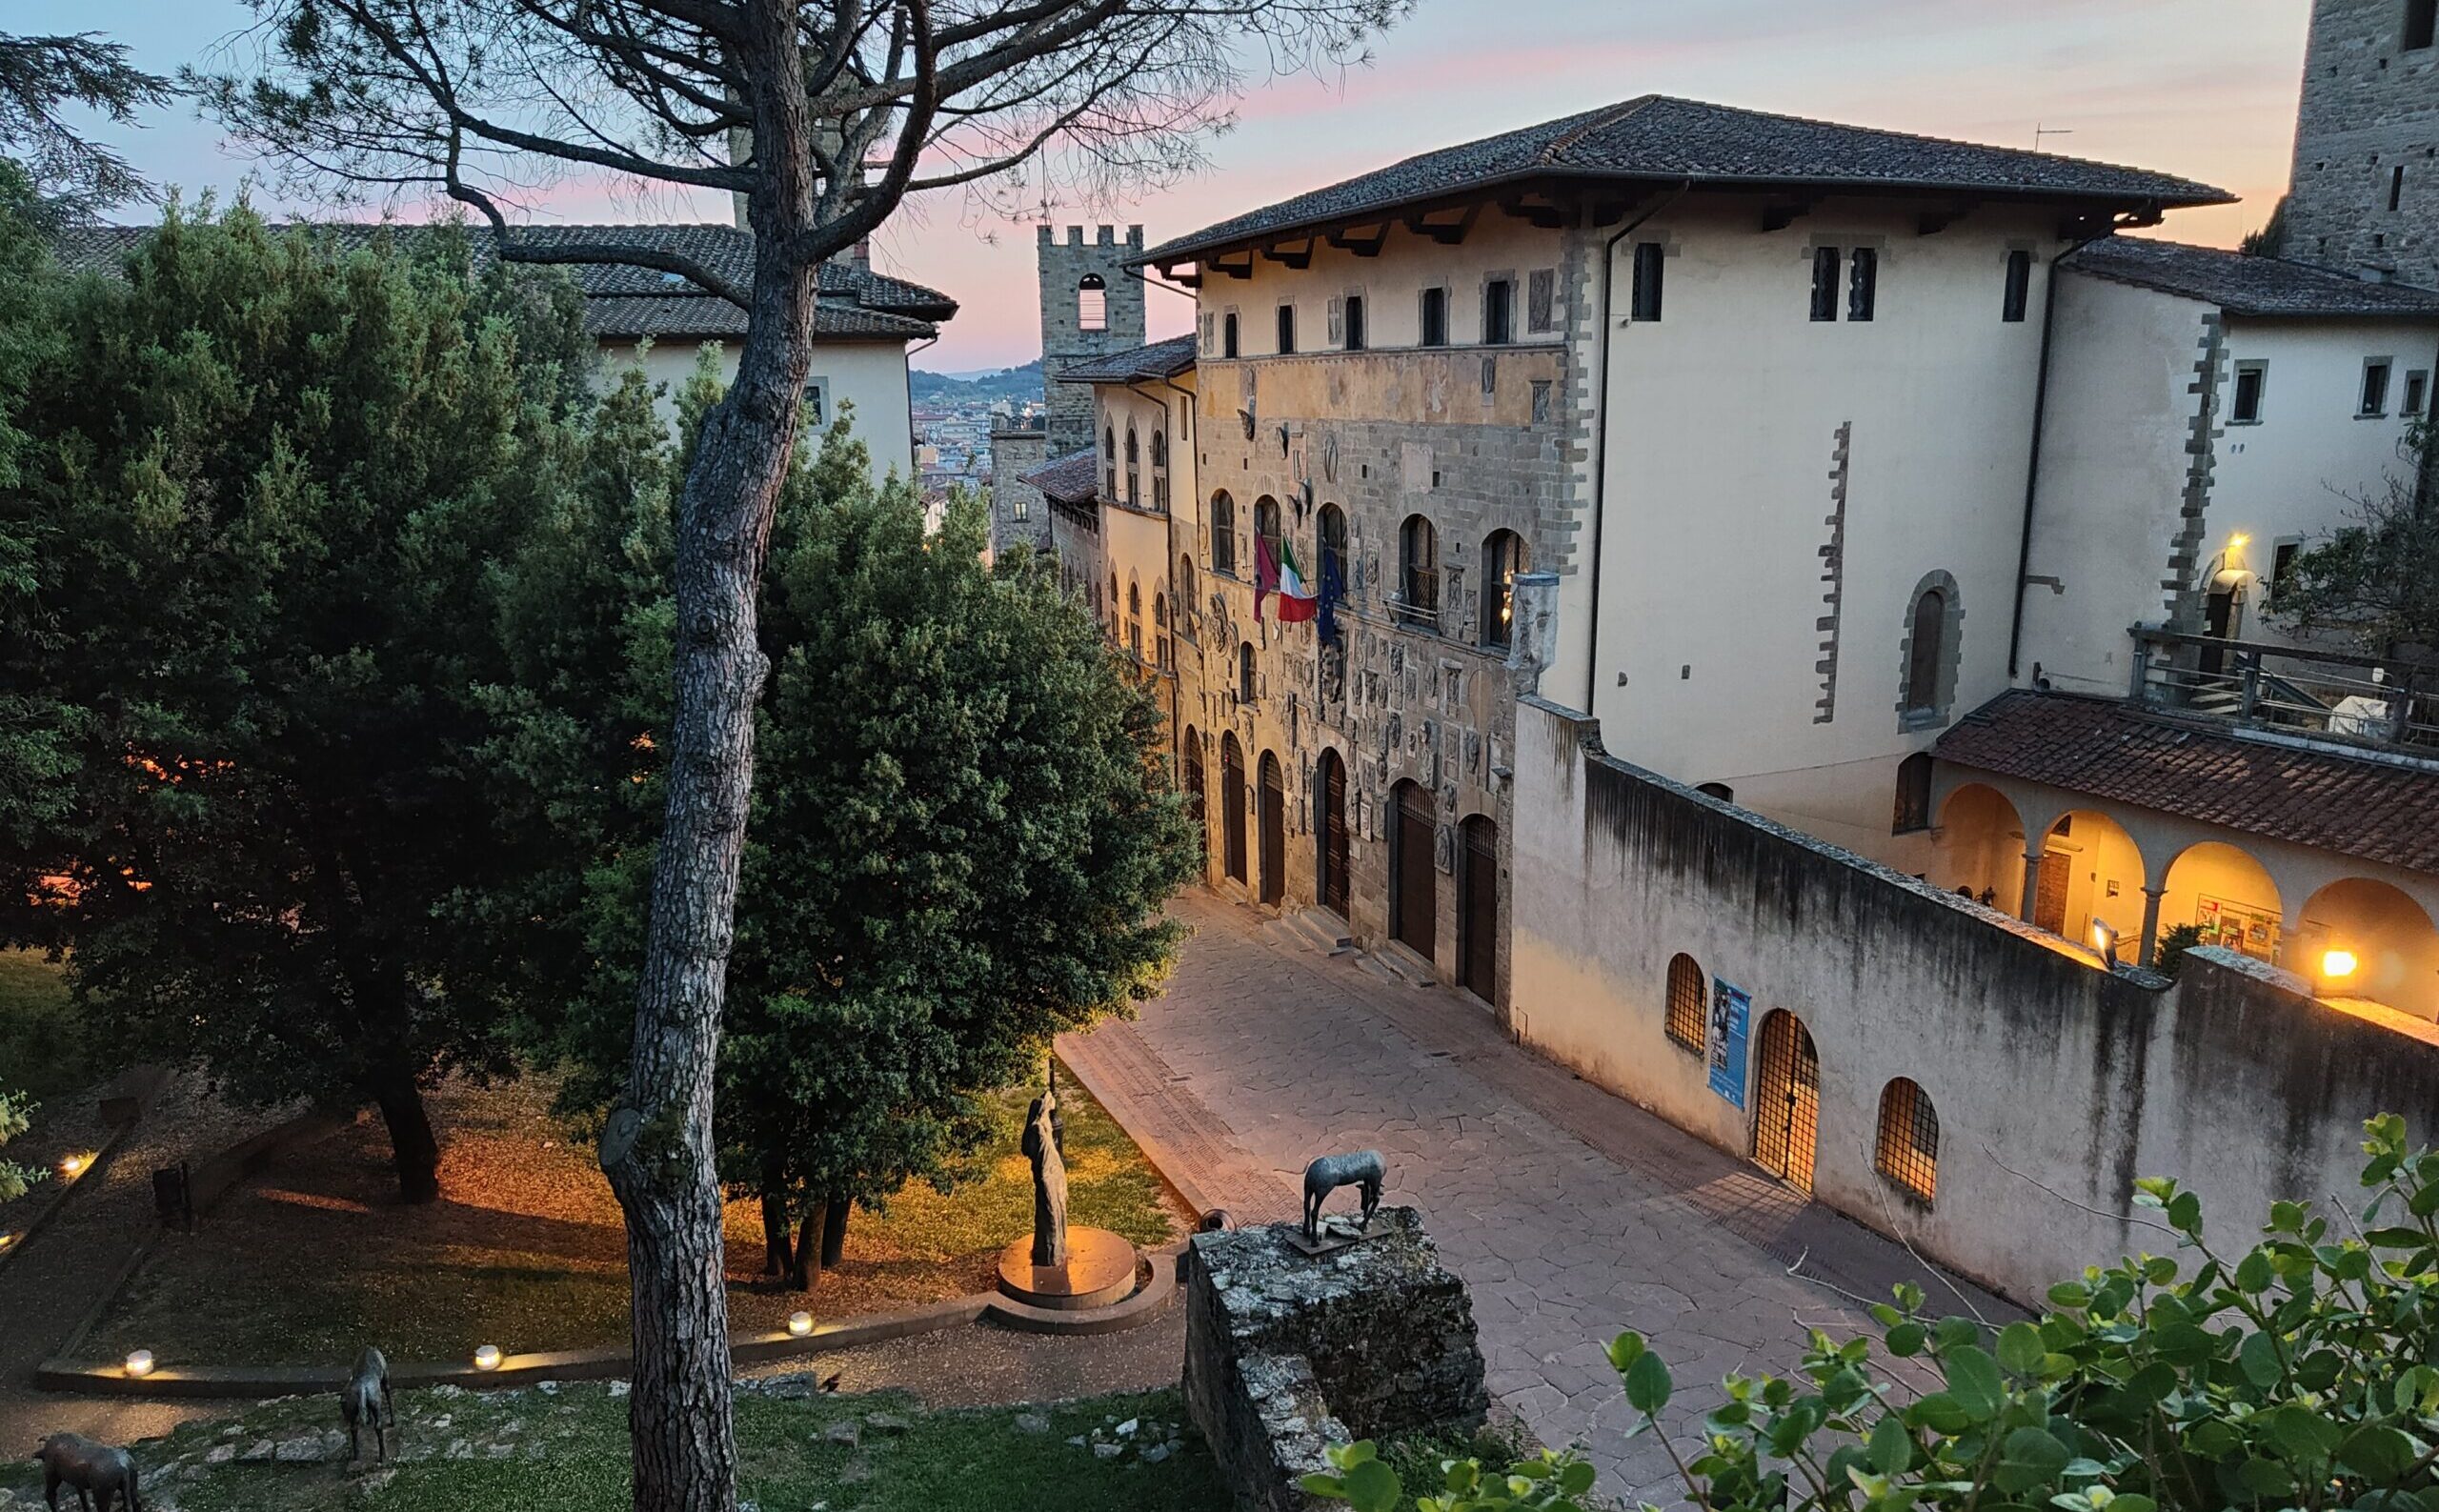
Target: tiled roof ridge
1594 121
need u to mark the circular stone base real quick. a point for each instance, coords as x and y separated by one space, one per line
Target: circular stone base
1100 1270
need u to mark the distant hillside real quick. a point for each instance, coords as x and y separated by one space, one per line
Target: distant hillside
1008 383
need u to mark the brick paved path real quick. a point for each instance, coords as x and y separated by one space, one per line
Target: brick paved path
1569 1212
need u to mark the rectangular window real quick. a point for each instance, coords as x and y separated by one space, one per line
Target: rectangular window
2417 389
2282 562
1651 261
1286 329
1542 300
2375 388
1825 283
1228 334
1499 313
2245 410
1355 322
1863 284
2421 22
2396 187
1435 317
2019 292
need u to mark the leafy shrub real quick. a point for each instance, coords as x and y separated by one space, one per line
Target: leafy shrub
2296 1374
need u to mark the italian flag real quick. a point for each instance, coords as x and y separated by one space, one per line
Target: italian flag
1297 600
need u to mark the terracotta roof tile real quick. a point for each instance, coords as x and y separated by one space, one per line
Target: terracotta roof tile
1073 479
2354 805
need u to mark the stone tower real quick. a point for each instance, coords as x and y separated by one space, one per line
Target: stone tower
2366 186
1090 304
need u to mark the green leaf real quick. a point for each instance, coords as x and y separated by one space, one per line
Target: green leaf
2021 1349
2070 1294
1649 1387
1905 1340
2253 1273
2185 1215
2258 1355
2377 1452
2300 1433
1975 1381
1625 1349
1891 1449
1328 1485
1941 1413
2029 1458
1576 1476
2133 1504
1373 1487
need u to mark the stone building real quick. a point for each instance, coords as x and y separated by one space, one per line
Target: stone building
2365 194
1092 307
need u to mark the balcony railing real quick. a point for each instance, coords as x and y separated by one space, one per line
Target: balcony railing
2321 694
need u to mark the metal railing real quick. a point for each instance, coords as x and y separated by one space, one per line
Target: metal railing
2323 694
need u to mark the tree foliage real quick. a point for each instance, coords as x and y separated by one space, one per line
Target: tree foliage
260 487
72 175
2373 582
960 837
2297 1372
15 1113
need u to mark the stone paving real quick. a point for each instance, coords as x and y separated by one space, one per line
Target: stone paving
1569 1213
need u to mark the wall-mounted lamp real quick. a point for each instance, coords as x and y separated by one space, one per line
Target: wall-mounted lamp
2337 966
2104 941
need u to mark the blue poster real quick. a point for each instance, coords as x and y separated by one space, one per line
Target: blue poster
1731 1011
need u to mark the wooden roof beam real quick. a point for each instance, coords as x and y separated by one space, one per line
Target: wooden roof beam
1779 218
1290 254
1446 234
1362 246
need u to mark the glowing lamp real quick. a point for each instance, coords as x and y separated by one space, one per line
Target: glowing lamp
2338 963
2239 541
487 1357
7 1239
72 1166
140 1362
2104 941
800 1323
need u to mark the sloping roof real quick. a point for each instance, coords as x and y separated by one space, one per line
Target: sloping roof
1161 359
2351 805
624 300
2249 286
1072 479
1661 139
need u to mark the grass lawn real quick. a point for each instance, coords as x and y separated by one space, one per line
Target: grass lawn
315 1257
531 1451
41 1037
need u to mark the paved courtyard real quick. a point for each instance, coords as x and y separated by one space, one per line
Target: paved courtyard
1570 1213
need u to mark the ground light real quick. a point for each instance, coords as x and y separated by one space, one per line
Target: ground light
72 1166
487 1358
2338 964
139 1363
799 1324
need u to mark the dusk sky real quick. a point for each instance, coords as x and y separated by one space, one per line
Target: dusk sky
2201 88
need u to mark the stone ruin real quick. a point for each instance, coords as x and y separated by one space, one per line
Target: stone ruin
1286 1354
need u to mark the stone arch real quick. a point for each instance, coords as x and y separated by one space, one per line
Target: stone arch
1929 652
2091 873
2226 891
1978 847
2394 948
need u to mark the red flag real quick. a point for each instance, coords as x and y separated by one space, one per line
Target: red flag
1266 573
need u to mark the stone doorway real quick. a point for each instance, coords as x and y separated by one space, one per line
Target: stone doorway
1786 1104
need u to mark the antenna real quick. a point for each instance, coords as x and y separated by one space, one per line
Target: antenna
2040 130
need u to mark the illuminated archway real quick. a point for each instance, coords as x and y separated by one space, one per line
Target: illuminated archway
2228 895
2364 938
2091 874
1978 847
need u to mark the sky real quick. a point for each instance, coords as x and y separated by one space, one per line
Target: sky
2206 88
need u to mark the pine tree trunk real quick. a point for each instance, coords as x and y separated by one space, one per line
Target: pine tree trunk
776 1252
834 1231
414 1152
656 1148
809 1247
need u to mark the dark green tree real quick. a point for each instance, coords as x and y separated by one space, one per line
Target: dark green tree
261 491
962 834
2375 581
71 173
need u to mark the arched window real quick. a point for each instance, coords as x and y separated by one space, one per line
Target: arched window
1109 458
1930 656
1185 593
1688 996
1162 656
1113 609
1223 533
1134 484
1132 455
1193 749
1333 535
1159 449
1419 572
1135 619
1266 527
1503 558
1716 790
1161 471
1092 304
1907 1149
1913 795
1245 673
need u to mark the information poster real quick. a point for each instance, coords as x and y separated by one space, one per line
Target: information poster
1731 1015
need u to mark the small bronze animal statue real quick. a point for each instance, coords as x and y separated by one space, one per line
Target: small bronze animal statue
366 1402
94 1471
1331 1172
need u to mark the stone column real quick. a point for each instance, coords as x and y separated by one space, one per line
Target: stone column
2031 882
2151 897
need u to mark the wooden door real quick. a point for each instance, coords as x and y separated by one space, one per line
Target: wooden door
1274 831
1477 910
1333 829
1413 898
2049 894
1786 1102
1232 807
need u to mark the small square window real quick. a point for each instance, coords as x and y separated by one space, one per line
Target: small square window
1825 283
1542 300
2375 388
1651 263
2282 563
2421 24
2019 289
2417 391
1862 283
2245 406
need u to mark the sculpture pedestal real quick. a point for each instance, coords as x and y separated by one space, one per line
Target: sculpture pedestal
1100 1270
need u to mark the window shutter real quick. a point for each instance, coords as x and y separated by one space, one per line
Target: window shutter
1338 321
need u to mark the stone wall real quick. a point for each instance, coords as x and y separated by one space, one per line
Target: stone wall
2370 106
1287 1353
1066 341
2056 1083
1020 515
